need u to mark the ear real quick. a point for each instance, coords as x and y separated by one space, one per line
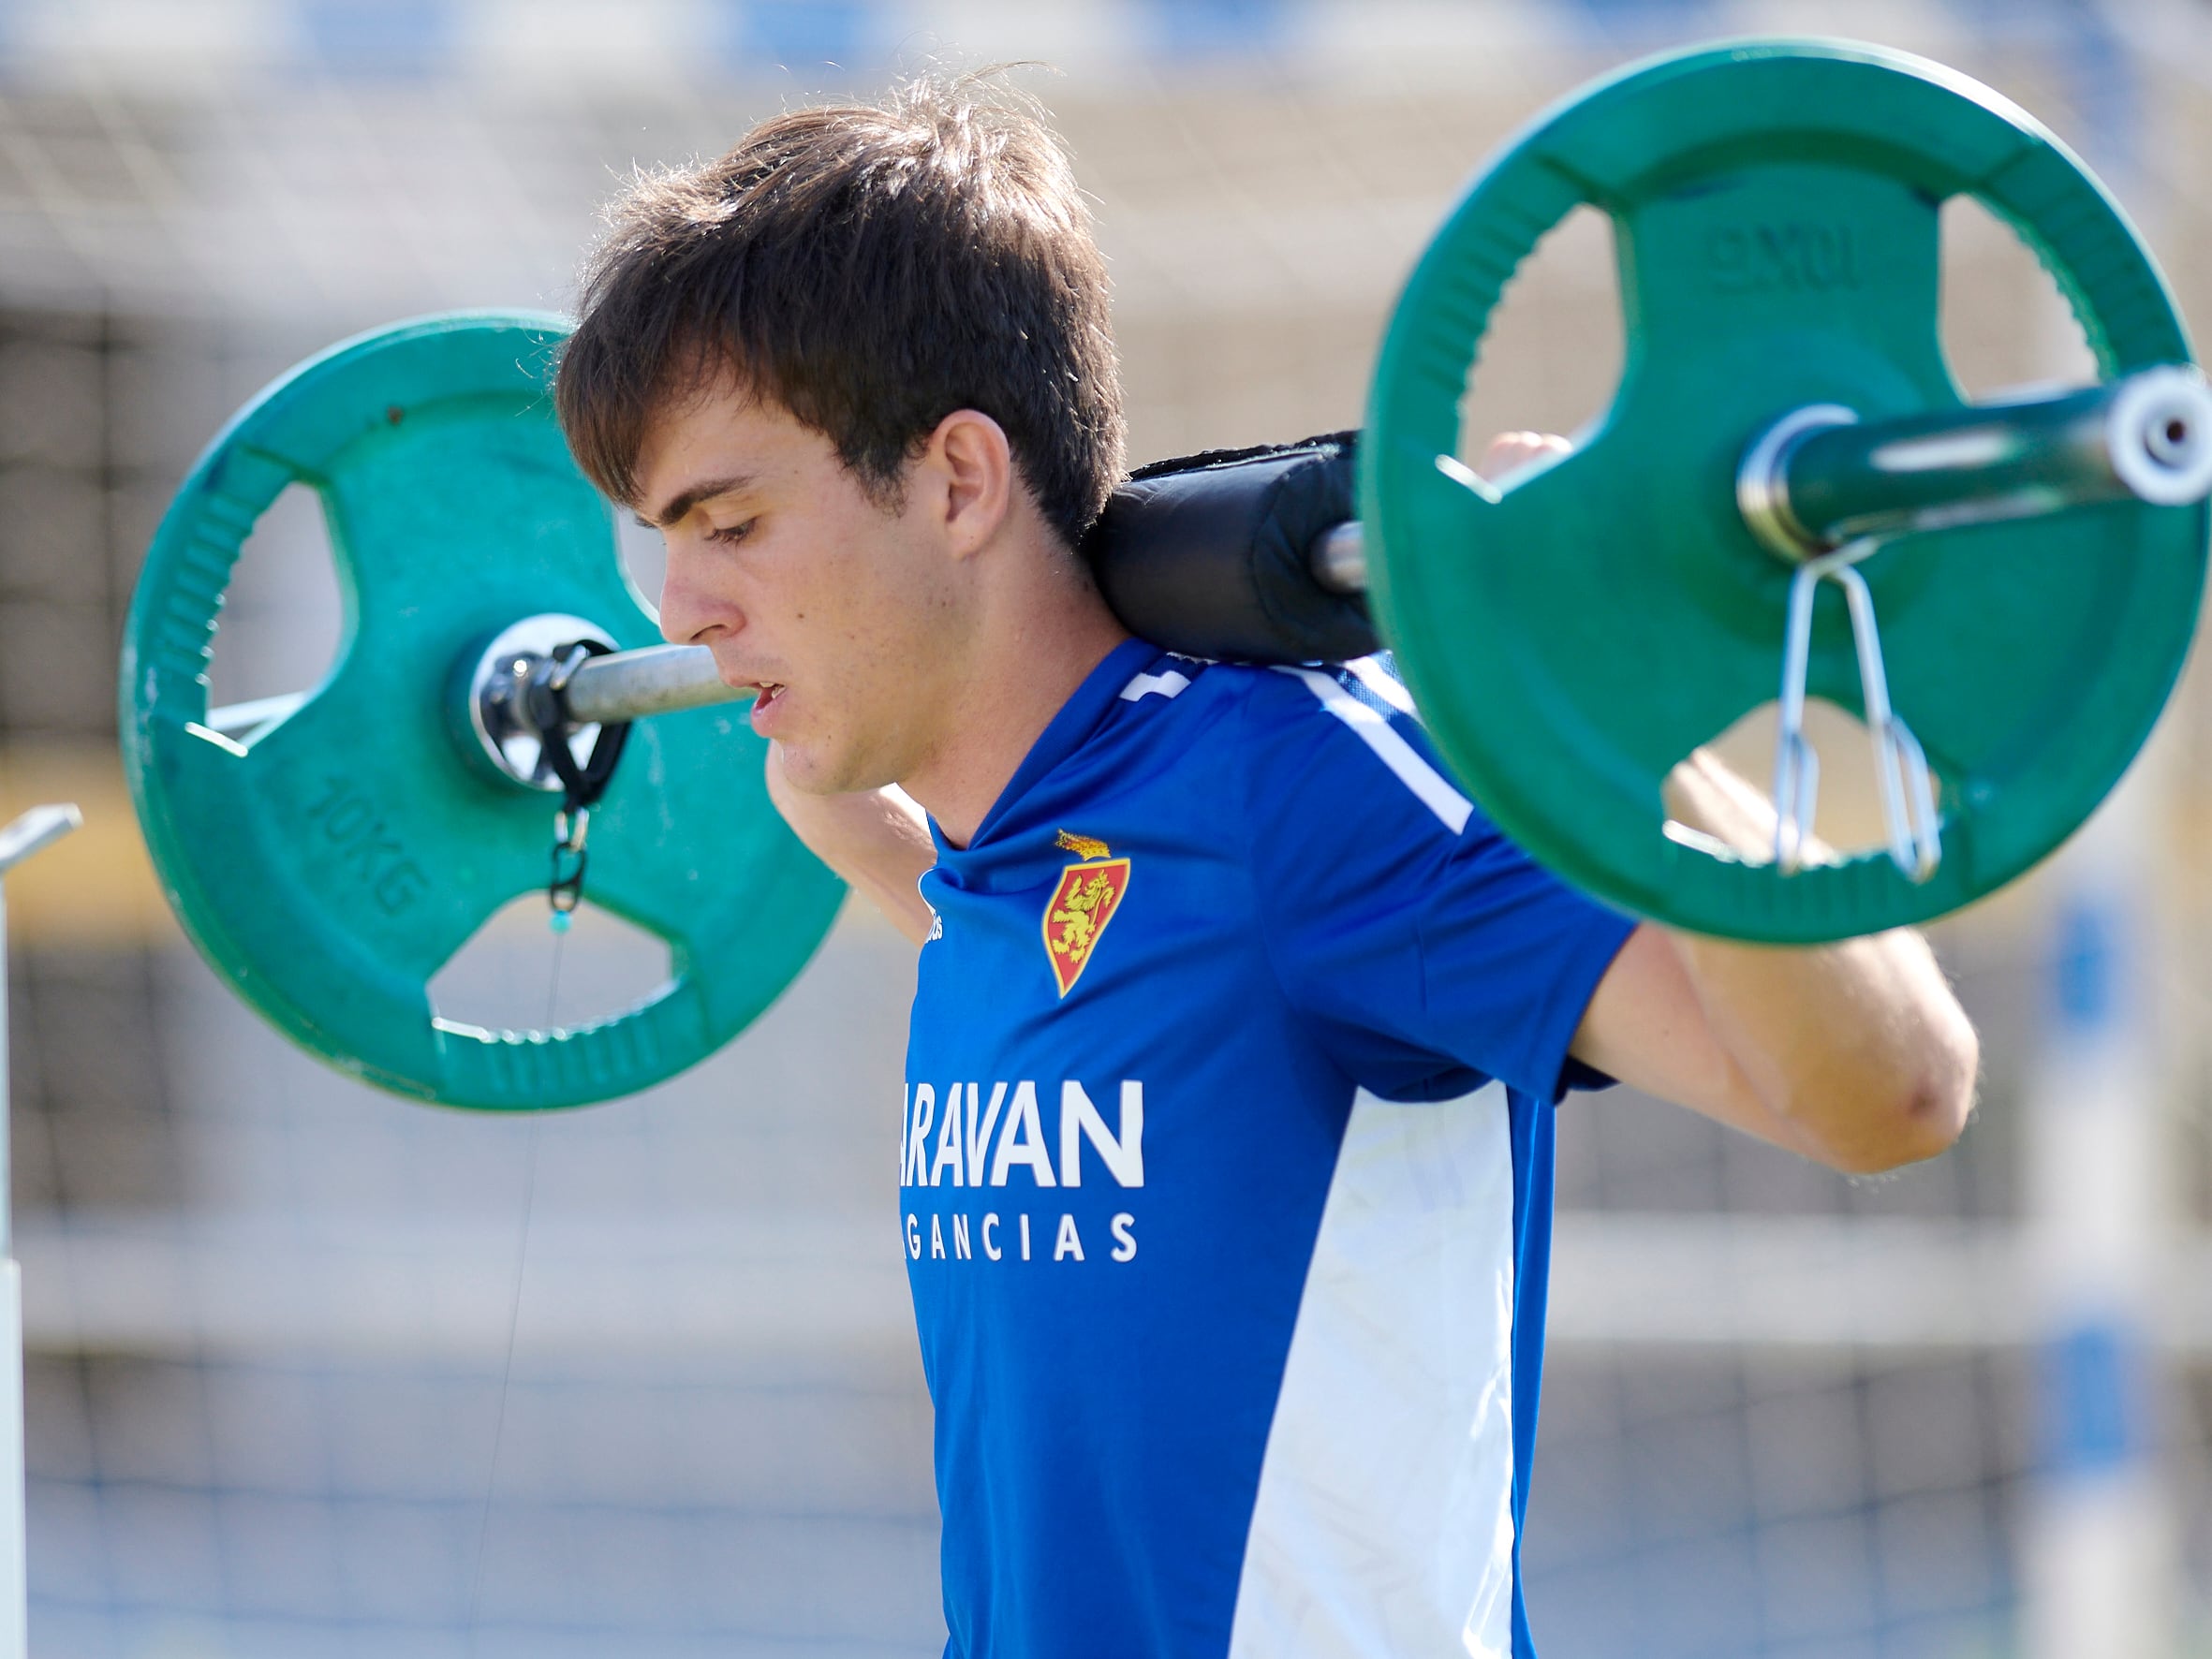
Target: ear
970 467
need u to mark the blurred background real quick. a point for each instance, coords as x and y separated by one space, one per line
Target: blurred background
314 1372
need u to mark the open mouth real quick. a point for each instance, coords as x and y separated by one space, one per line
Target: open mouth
768 691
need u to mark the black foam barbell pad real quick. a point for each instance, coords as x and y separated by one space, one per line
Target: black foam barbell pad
1209 554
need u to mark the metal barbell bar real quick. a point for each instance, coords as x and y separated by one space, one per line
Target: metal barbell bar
1819 478
1815 479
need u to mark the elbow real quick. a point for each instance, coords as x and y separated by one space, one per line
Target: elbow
1921 1117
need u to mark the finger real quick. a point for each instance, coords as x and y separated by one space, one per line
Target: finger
1510 449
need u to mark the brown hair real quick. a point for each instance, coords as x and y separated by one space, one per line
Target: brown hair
872 269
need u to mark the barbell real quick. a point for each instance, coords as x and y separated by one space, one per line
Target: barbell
1788 497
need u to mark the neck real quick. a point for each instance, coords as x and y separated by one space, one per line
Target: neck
1039 637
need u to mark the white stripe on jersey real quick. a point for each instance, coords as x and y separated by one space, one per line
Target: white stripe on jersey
1383 1528
1168 684
1377 679
1425 781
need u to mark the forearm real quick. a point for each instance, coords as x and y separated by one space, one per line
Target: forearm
878 840
1857 1049
1855 1052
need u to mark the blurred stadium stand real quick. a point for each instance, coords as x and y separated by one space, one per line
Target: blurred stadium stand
314 1372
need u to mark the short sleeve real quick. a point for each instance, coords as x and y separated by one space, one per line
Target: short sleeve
1421 941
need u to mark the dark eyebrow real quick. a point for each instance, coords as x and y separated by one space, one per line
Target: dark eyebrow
706 490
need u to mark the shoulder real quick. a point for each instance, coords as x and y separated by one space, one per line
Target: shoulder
1178 706
1306 750
1294 701
1351 733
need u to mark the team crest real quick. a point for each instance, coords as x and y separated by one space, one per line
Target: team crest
1085 902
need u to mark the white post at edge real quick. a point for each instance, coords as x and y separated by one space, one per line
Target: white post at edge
2099 1538
41 827
2100 1544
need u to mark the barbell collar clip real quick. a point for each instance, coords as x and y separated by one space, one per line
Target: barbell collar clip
504 687
1900 765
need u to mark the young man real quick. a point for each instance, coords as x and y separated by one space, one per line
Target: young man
1226 1148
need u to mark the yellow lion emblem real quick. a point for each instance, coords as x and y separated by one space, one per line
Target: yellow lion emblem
1081 914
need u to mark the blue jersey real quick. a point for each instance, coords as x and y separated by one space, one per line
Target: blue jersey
1226 1179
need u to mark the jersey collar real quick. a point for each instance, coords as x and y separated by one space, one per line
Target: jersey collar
1079 717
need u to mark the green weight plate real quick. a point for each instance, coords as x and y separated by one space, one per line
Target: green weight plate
1775 210
330 865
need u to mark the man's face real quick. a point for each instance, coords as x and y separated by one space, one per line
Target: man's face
841 613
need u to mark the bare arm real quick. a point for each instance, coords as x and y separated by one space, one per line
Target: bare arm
878 840
1854 1054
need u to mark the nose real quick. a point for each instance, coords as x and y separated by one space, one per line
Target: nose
691 613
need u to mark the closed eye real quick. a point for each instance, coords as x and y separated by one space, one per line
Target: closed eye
731 535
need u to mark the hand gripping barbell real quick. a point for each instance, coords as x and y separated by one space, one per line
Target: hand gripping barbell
1788 494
